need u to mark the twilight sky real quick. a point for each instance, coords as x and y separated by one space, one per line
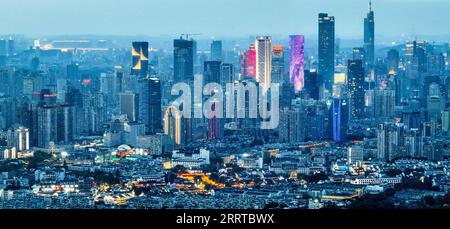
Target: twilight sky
219 17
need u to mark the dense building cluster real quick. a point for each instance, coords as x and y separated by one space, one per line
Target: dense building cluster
92 123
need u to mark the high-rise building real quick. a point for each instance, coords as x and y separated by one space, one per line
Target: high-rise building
19 138
216 51
326 50
369 39
277 64
445 120
312 86
356 88
393 59
212 72
227 73
263 46
54 124
183 60
139 53
150 103
296 71
340 119
173 125
129 105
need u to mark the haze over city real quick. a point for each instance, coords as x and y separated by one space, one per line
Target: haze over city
219 18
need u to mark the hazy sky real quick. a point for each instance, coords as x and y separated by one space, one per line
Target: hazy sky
219 17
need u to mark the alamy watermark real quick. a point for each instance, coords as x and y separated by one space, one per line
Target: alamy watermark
243 99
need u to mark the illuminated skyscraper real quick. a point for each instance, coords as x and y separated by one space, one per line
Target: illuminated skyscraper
369 39
326 50
263 48
356 88
277 64
183 60
340 119
296 72
248 65
139 53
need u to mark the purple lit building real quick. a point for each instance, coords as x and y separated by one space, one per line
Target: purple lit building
296 73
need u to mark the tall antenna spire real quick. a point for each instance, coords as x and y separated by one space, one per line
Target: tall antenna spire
370 5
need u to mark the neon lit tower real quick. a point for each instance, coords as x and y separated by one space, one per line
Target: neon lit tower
296 72
139 53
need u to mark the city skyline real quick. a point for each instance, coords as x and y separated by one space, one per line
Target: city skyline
157 18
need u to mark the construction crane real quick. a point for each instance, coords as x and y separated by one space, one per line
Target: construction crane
189 34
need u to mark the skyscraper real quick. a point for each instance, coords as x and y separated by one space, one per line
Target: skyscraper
139 53
277 64
263 48
150 104
129 105
216 51
227 73
212 72
340 119
326 50
356 88
296 72
173 124
369 39
183 60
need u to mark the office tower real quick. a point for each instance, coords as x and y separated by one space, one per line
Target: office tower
391 141
358 53
312 86
356 88
216 51
183 60
19 138
248 62
3 47
355 154
296 71
54 122
277 64
291 128
380 103
413 142
212 72
227 73
150 102
129 105
340 119
173 125
369 39
326 50
263 46
393 59
435 103
139 53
